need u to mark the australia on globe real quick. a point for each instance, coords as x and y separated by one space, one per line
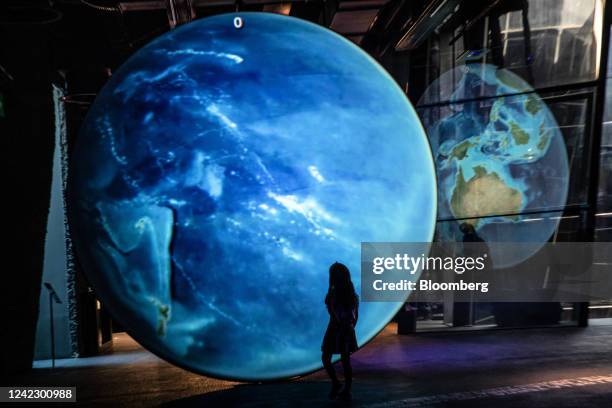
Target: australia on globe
499 154
221 171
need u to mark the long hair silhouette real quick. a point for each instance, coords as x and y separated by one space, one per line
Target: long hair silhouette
341 286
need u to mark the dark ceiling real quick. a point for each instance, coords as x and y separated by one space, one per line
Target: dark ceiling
101 34
105 32
93 37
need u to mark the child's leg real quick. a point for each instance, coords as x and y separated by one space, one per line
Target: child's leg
348 370
329 367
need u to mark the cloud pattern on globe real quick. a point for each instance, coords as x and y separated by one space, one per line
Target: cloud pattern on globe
221 171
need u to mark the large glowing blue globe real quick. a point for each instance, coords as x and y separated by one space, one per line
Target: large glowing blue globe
222 170
501 159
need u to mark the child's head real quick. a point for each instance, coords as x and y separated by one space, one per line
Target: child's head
338 274
467 228
340 281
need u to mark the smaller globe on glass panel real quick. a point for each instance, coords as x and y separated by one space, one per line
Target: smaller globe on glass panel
498 152
222 170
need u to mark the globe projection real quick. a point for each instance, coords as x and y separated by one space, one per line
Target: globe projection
500 158
221 171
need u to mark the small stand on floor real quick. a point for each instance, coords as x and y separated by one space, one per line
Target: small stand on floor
53 298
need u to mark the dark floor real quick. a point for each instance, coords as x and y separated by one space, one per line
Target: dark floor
563 367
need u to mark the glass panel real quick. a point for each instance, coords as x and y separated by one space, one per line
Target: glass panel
603 220
572 113
447 312
545 42
510 155
561 37
477 83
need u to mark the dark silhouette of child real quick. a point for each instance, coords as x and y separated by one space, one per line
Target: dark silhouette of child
343 306
469 233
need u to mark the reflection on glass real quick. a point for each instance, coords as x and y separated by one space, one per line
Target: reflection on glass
603 221
563 40
438 315
497 158
572 114
546 42
569 229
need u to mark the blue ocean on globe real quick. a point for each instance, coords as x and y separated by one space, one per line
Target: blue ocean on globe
222 170
499 152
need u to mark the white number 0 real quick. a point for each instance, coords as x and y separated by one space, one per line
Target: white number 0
238 22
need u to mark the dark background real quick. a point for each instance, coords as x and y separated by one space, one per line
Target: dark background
77 45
